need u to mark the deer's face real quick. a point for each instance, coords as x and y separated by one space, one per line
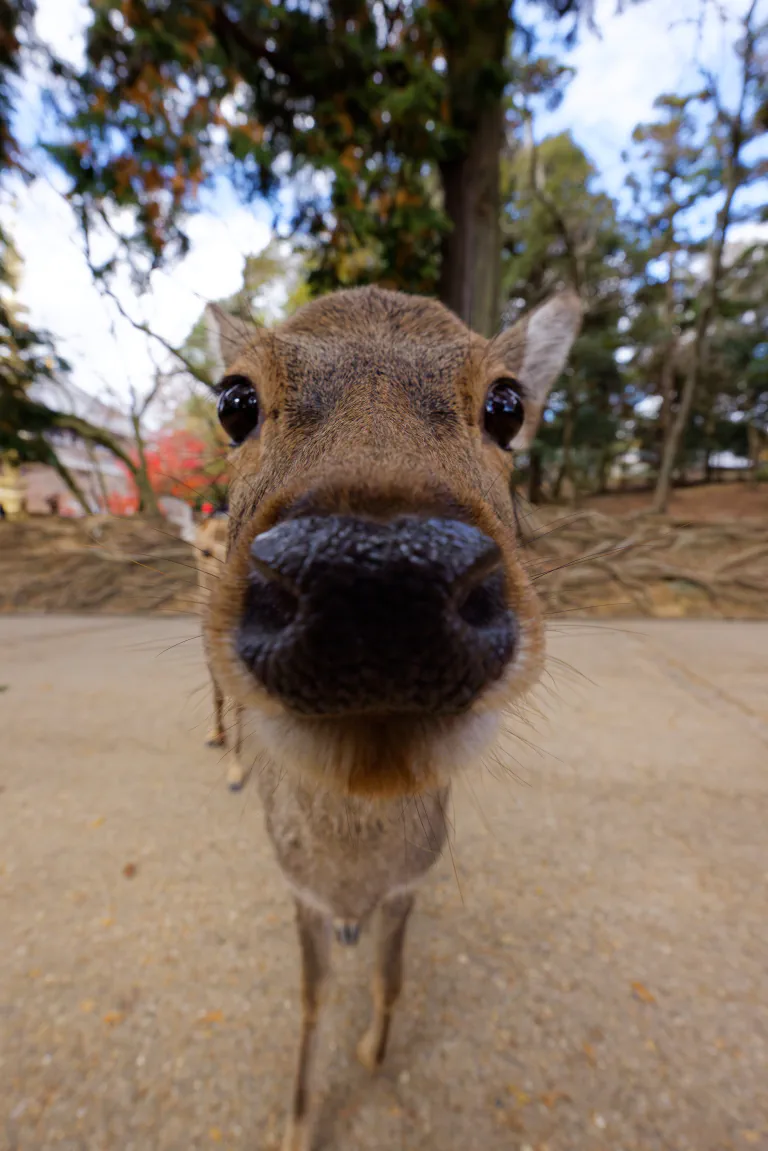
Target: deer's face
373 612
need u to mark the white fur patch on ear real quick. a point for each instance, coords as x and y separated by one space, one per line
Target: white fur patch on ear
227 336
549 335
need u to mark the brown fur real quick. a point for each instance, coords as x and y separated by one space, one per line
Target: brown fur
372 404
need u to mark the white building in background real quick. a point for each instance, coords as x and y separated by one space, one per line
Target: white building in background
100 476
180 514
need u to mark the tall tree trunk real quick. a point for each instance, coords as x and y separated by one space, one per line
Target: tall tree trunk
603 468
753 441
91 453
670 347
667 387
69 480
680 421
710 445
565 466
475 41
668 363
535 475
469 281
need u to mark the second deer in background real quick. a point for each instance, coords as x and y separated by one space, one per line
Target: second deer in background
211 553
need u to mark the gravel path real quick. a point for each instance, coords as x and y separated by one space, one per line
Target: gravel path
593 974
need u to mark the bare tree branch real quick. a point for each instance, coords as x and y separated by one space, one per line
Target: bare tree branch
537 187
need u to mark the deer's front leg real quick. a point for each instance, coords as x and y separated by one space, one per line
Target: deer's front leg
216 736
315 944
236 773
387 979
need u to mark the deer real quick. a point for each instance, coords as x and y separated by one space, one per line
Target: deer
373 616
210 544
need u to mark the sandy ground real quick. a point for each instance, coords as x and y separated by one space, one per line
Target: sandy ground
591 976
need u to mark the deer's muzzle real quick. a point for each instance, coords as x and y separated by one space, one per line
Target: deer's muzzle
351 616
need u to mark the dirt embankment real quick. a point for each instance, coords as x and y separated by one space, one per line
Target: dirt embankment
98 564
593 564
583 563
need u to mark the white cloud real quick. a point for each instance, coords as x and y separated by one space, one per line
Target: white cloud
61 23
105 351
649 48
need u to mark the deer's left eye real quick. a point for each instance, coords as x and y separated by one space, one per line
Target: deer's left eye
504 412
238 407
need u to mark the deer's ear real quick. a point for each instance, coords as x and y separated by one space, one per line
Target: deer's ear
536 349
227 336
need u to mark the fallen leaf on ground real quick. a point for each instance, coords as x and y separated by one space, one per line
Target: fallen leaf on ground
589 1051
129 870
521 1097
216 1134
550 1098
641 992
87 1005
212 1017
112 1018
97 822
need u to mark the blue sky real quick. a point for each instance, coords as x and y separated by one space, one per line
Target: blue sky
651 48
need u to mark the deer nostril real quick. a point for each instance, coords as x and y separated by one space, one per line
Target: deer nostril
272 599
484 604
269 606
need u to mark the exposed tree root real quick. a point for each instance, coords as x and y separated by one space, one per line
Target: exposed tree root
657 566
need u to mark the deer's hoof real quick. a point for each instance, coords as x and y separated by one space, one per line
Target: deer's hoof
298 1136
235 777
215 739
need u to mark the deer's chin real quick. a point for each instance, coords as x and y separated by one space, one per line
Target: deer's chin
377 758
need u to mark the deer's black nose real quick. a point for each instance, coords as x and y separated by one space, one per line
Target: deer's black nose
345 615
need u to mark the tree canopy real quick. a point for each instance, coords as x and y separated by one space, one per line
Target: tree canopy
374 128
398 142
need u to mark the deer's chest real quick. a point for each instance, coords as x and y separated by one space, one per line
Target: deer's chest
346 855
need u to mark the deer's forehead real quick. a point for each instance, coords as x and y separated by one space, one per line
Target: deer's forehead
313 379
396 361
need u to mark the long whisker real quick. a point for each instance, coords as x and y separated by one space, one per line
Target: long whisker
587 558
196 491
173 645
203 552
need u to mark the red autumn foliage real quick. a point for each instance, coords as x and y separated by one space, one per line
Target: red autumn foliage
176 462
120 504
179 464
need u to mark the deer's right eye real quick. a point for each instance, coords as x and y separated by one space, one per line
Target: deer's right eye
238 408
504 412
